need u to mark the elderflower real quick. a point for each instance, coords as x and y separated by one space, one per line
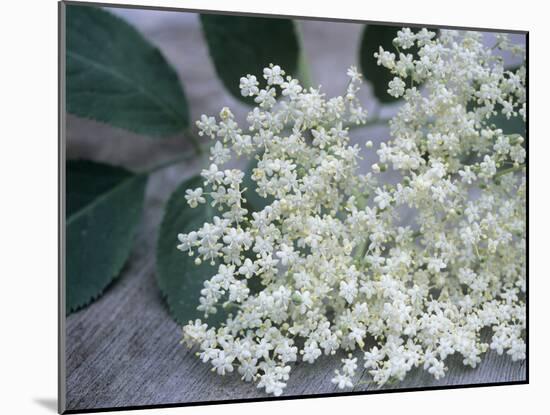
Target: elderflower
249 86
342 380
328 263
194 197
396 87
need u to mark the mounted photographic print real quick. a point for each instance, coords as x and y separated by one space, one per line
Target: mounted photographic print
270 207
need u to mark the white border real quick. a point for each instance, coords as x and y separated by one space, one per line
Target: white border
28 220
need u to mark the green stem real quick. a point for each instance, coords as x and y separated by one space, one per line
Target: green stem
303 68
304 74
197 151
508 170
188 155
370 123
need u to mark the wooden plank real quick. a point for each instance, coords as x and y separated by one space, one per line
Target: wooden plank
124 349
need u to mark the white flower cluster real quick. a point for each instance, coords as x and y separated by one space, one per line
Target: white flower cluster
337 266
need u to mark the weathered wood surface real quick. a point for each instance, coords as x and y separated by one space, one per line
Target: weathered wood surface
124 349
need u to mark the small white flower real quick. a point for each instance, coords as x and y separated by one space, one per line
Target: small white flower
248 370
311 352
213 175
207 125
219 154
343 381
348 290
291 88
488 167
382 199
396 87
467 175
350 366
354 74
266 98
248 268
274 75
425 36
249 86
405 38
194 197
286 254
223 363
385 58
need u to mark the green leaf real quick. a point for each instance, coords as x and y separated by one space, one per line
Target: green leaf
179 278
374 37
116 76
514 125
241 45
103 208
